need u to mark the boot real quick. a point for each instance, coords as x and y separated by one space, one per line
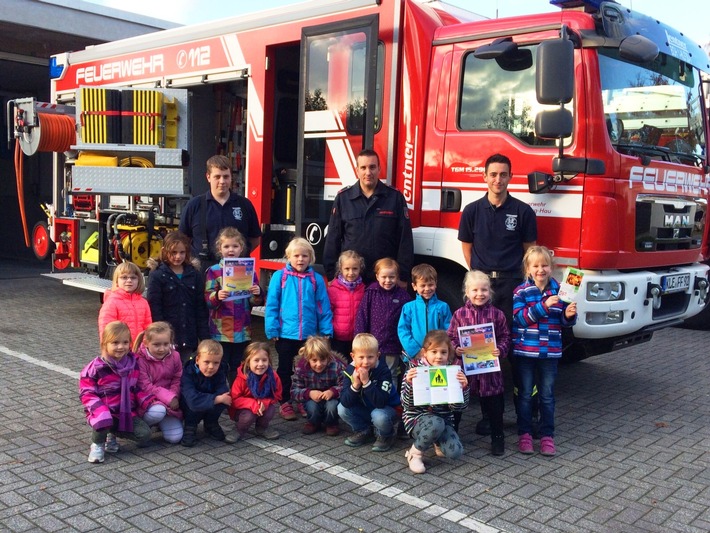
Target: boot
414 458
498 445
189 436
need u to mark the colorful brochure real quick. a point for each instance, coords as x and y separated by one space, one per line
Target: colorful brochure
238 276
437 385
571 282
478 343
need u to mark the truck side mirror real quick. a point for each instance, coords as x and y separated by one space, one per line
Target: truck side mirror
554 124
554 77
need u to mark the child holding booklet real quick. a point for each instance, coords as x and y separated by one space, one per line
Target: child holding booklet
478 309
230 318
538 318
431 424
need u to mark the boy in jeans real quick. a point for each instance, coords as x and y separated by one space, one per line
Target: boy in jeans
369 397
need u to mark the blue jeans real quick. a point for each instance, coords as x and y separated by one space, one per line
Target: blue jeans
359 418
528 368
325 411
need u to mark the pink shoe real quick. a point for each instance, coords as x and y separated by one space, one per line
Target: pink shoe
547 446
286 411
525 444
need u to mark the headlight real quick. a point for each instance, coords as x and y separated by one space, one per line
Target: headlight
605 291
599 319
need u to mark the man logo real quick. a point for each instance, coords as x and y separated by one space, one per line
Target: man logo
676 221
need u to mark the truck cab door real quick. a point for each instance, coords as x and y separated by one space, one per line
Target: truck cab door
338 72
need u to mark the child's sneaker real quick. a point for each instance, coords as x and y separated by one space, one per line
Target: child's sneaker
332 431
111 444
96 455
359 438
309 429
525 444
382 444
232 437
301 409
189 436
547 446
438 451
286 411
266 433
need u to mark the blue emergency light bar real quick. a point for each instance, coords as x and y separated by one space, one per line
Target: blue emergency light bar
55 71
594 5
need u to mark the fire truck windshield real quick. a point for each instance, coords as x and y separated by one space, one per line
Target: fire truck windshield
653 110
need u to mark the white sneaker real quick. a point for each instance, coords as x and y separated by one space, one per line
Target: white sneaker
111 444
96 455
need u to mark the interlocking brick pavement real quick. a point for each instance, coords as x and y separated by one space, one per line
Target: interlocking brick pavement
632 437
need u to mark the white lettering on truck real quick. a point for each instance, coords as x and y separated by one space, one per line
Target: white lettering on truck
408 173
115 70
670 181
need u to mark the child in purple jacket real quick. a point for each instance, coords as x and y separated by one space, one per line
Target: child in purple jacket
108 389
379 310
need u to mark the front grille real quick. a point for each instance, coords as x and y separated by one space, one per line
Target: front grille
669 223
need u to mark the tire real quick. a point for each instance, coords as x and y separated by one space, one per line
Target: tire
42 244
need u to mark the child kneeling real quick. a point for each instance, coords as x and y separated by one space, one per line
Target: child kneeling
256 393
108 389
316 383
369 397
432 424
204 392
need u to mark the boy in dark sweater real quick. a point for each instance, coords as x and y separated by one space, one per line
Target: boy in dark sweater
204 392
369 397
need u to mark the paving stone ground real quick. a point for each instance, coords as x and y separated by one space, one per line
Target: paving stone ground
632 435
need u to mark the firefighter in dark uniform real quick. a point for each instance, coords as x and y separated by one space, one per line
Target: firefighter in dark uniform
372 219
206 215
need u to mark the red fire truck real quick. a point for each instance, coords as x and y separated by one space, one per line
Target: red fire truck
599 108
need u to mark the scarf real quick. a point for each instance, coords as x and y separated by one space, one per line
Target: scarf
262 386
351 285
123 367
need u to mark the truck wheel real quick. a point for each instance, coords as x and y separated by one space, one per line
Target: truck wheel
449 287
42 244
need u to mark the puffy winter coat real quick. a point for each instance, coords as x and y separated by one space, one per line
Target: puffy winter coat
418 318
344 303
160 377
100 390
180 302
242 398
128 307
378 314
297 305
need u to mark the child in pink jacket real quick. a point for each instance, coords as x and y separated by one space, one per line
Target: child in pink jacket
159 373
125 300
345 293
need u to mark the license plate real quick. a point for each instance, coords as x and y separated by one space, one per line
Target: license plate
675 283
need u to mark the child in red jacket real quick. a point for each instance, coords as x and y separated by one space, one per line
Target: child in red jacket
256 393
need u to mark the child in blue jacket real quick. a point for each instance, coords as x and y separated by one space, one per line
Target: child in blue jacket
422 315
297 306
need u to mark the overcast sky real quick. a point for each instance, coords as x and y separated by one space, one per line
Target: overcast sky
687 16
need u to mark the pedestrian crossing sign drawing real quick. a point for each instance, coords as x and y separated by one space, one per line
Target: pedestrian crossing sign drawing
434 385
438 378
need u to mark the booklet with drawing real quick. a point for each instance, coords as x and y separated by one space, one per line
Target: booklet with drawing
437 385
569 288
238 276
478 343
